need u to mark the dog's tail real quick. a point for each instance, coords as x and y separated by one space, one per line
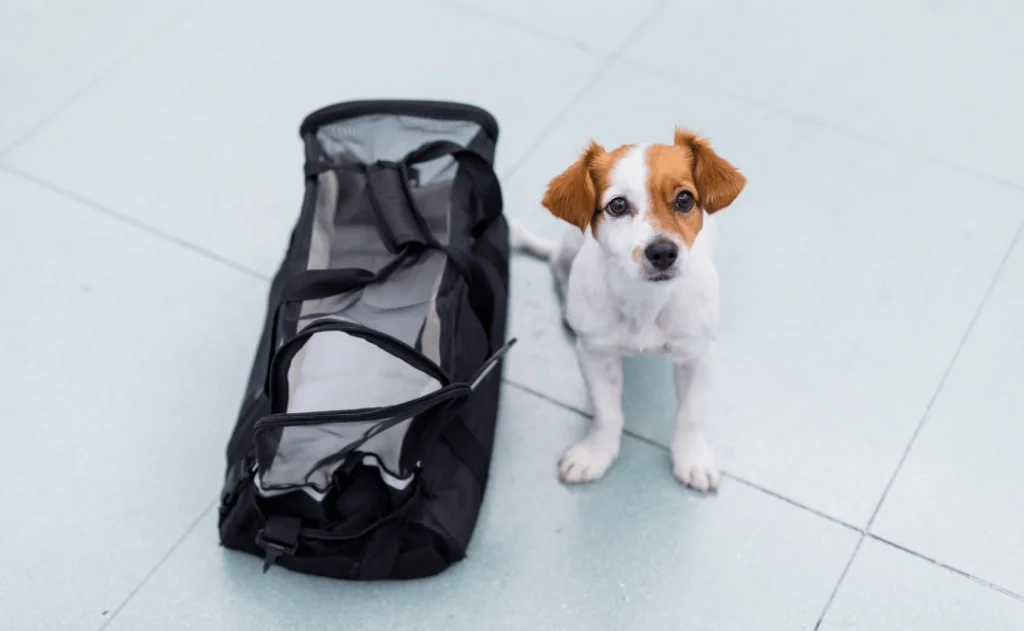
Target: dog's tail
525 241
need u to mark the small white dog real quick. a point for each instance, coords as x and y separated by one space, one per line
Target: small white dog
642 281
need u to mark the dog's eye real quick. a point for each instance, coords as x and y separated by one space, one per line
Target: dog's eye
684 201
617 206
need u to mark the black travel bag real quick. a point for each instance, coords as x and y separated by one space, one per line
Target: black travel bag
363 443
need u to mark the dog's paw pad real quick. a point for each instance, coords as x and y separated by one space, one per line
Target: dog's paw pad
693 464
586 461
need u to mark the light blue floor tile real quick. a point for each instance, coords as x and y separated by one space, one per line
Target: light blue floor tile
886 69
958 497
847 283
124 357
198 135
52 50
889 590
597 25
635 551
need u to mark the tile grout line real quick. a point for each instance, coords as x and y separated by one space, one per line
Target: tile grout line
792 502
115 65
159 564
541 395
609 60
917 431
950 568
797 116
135 223
526 27
767 106
949 369
652 443
839 583
809 120
864 534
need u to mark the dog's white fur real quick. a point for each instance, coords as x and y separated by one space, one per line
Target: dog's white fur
616 310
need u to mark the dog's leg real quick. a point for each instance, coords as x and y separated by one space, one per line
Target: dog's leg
590 458
693 463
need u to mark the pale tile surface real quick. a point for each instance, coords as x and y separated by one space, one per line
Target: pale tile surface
123 356
603 27
890 70
957 498
54 50
889 590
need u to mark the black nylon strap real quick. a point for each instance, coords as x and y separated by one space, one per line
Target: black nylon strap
481 173
321 283
313 168
398 221
428 428
282 358
443 402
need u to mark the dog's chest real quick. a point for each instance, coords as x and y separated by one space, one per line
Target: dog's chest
679 328
667 333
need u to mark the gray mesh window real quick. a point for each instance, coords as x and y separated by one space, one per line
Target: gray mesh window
335 371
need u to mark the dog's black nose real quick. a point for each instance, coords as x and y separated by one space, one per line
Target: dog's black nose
662 254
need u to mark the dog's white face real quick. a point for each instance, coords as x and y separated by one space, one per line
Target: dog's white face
645 204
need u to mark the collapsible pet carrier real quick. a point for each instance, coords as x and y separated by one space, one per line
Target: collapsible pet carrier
364 440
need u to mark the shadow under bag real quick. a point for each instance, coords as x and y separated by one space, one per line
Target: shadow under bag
364 440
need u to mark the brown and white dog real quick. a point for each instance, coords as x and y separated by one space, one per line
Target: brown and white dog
642 281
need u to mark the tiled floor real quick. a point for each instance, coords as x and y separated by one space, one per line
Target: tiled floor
869 405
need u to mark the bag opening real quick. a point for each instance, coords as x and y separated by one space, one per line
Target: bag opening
369 378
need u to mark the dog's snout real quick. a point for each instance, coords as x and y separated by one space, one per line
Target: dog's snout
662 254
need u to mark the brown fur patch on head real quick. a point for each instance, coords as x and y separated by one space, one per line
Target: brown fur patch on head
573 195
718 182
670 171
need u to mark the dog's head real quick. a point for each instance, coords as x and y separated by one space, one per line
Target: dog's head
645 204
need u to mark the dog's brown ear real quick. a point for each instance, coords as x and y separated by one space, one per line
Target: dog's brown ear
718 182
572 196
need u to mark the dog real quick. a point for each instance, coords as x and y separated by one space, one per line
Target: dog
643 281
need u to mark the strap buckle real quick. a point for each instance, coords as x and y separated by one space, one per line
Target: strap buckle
279 537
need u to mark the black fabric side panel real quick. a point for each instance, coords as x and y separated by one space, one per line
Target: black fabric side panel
468 449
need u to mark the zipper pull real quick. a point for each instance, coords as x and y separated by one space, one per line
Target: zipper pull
490 363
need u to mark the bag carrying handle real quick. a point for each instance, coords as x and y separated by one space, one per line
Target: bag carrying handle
482 176
430 407
282 357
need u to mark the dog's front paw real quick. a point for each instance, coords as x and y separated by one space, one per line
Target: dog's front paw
587 460
693 463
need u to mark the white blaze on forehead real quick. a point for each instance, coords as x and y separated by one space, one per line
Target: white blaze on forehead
628 178
624 236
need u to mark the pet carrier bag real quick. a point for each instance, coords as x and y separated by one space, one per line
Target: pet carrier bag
363 444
